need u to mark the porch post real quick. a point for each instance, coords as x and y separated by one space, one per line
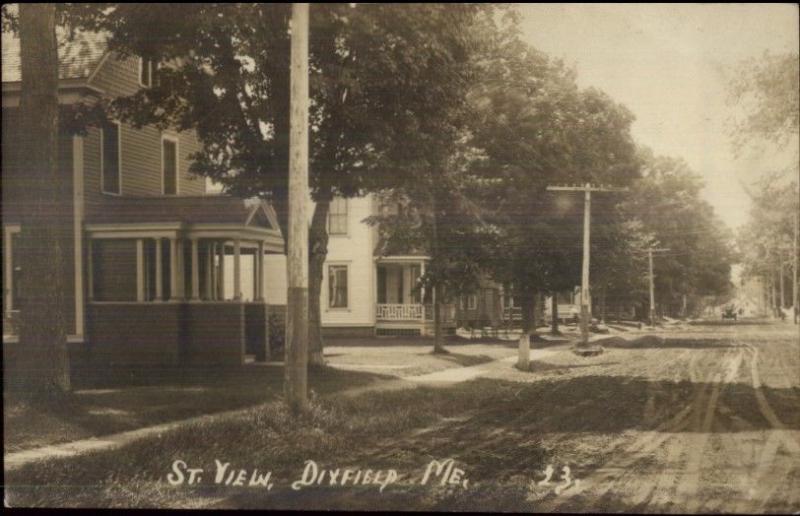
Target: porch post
159 272
209 271
422 290
139 270
221 272
237 270
173 268
8 272
89 269
260 274
195 271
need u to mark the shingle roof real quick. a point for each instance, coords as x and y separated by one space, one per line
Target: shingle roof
78 56
206 209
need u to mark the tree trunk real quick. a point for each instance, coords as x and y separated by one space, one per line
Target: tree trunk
438 346
318 245
554 310
528 307
44 366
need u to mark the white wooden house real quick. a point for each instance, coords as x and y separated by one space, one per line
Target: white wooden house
363 293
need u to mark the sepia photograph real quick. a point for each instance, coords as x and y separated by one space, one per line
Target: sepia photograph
426 257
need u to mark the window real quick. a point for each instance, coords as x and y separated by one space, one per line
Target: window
111 176
169 165
145 72
461 303
472 302
337 286
337 217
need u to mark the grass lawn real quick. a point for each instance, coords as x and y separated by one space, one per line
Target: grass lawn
134 401
121 401
403 430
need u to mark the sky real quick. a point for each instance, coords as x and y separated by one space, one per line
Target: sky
671 64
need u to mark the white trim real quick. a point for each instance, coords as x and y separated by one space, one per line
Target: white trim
98 67
174 139
77 205
71 339
103 162
470 299
401 258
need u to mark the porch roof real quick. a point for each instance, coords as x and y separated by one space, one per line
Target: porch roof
210 216
201 209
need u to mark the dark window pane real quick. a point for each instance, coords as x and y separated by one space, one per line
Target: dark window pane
145 71
170 167
111 158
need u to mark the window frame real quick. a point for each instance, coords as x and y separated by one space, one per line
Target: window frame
142 62
346 267
103 159
174 139
472 301
344 214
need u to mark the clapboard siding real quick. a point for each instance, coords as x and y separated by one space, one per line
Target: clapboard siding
140 150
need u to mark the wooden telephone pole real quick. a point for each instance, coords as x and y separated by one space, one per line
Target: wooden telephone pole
587 189
296 365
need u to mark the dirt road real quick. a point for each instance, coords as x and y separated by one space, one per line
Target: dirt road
703 419
722 435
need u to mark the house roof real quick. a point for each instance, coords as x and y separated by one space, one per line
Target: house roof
206 209
78 56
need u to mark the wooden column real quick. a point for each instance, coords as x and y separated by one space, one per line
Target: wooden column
89 269
139 270
237 270
159 272
173 269
195 271
260 274
209 290
221 272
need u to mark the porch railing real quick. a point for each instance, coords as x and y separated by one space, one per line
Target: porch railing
399 312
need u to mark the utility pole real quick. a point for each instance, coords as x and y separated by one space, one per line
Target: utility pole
296 365
587 189
795 297
650 252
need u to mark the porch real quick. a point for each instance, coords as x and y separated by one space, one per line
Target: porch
404 306
190 291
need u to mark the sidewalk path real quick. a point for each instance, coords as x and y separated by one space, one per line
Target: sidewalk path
443 378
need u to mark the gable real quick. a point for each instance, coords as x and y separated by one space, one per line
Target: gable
78 56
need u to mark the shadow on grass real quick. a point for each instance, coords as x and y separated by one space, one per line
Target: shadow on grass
464 360
491 428
135 398
654 341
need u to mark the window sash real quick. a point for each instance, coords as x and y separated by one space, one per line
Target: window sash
169 153
337 216
337 286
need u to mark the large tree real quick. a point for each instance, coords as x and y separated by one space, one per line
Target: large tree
385 80
667 202
538 128
44 364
